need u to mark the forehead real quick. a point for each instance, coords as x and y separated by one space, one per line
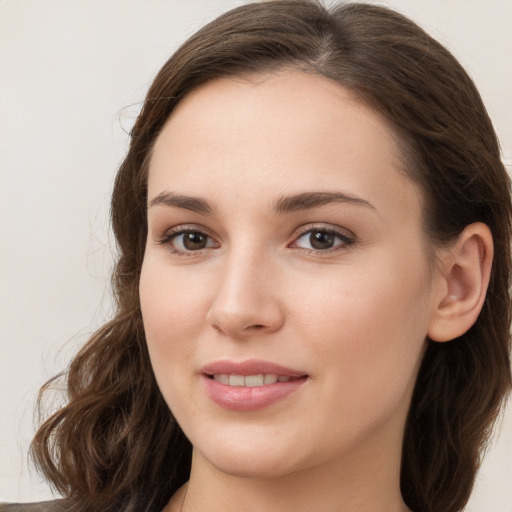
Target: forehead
285 133
303 105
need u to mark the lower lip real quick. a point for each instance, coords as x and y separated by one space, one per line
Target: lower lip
240 398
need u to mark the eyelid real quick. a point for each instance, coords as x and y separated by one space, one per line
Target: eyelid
348 238
166 238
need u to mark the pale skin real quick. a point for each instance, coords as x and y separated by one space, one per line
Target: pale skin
351 312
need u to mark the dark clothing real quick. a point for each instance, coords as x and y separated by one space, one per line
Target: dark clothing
40 506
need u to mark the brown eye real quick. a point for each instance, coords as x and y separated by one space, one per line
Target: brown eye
188 241
194 241
323 240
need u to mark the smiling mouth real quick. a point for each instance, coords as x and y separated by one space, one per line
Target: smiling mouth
251 381
251 385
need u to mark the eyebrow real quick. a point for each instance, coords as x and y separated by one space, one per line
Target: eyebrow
308 200
284 204
194 204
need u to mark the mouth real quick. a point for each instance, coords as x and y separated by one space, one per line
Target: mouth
250 385
251 381
250 373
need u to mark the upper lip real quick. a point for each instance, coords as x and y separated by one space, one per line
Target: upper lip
249 367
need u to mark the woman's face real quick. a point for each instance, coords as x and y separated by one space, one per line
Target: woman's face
284 242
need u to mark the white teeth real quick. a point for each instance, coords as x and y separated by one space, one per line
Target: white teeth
249 380
222 378
253 380
236 380
270 379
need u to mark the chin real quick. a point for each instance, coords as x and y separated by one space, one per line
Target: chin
249 460
244 466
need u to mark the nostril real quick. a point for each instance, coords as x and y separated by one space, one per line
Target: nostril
238 319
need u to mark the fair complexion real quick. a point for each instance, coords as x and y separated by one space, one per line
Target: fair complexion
282 229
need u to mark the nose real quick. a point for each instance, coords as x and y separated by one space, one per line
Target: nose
246 301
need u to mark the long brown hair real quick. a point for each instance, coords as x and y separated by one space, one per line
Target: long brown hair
115 444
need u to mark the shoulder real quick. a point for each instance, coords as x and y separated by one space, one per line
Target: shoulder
40 506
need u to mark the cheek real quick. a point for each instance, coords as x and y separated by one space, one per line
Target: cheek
171 299
369 328
173 308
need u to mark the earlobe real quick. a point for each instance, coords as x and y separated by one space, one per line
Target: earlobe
465 270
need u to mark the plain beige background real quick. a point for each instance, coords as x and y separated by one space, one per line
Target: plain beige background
72 75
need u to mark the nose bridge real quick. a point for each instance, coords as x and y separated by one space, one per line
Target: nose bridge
246 298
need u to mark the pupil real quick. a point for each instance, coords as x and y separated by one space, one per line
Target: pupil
194 241
321 240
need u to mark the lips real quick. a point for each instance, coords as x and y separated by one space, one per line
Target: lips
250 367
249 385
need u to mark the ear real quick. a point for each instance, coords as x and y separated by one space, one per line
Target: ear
465 269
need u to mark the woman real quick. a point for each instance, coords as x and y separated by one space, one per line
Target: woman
314 232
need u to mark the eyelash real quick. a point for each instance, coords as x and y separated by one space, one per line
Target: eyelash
167 238
346 239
